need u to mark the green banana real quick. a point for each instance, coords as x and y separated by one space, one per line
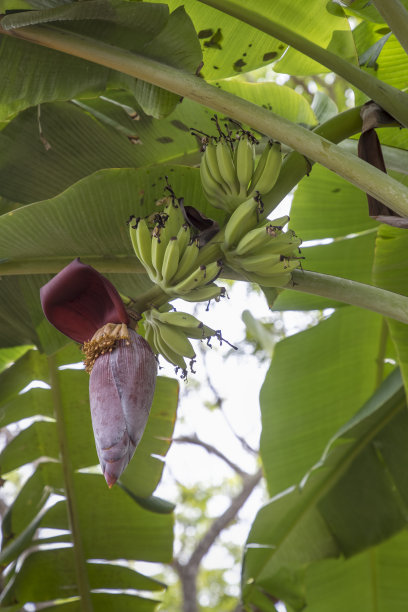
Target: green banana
183 238
210 155
212 189
243 219
260 166
191 326
170 261
245 155
284 243
167 351
187 262
177 340
268 263
226 166
269 175
149 337
253 240
158 246
202 275
142 243
268 238
205 294
174 218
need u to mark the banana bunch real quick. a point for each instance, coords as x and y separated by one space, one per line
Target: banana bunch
228 172
168 333
262 252
170 254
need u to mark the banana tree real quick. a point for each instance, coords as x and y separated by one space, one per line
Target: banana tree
111 107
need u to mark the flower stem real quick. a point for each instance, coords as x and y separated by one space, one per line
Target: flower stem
356 171
396 16
384 302
388 97
79 554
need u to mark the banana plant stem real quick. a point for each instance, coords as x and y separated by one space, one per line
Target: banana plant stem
79 554
309 144
384 302
390 98
396 16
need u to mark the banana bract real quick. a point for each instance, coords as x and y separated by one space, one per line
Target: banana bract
86 307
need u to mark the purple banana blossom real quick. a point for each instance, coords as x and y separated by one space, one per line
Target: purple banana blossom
86 307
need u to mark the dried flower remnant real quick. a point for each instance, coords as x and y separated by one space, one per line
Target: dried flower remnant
85 306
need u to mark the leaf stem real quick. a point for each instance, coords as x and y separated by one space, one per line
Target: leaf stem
382 348
396 16
388 97
80 560
351 292
359 173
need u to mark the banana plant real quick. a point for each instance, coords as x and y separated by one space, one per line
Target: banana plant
117 106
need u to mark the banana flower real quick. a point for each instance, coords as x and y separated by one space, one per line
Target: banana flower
85 306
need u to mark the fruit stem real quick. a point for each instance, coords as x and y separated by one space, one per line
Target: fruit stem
356 171
379 300
154 298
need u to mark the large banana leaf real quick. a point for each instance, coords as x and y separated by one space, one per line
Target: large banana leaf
78 139
230 46
49 75
353 498
97 523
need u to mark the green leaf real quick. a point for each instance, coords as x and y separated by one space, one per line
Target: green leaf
390 272
316 519
138 27
373 580
280 99
8 356
69 141
334 375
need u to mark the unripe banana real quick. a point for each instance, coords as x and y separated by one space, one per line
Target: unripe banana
268 263
170 261
260 166
187 262
226 166
212 189
270 172
191 326
243 219
149 337
210 156
158 247
142 244
177 340
268 238
245 155
283 243
183 238
175 218
203 275
167 351
253 240
205 294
